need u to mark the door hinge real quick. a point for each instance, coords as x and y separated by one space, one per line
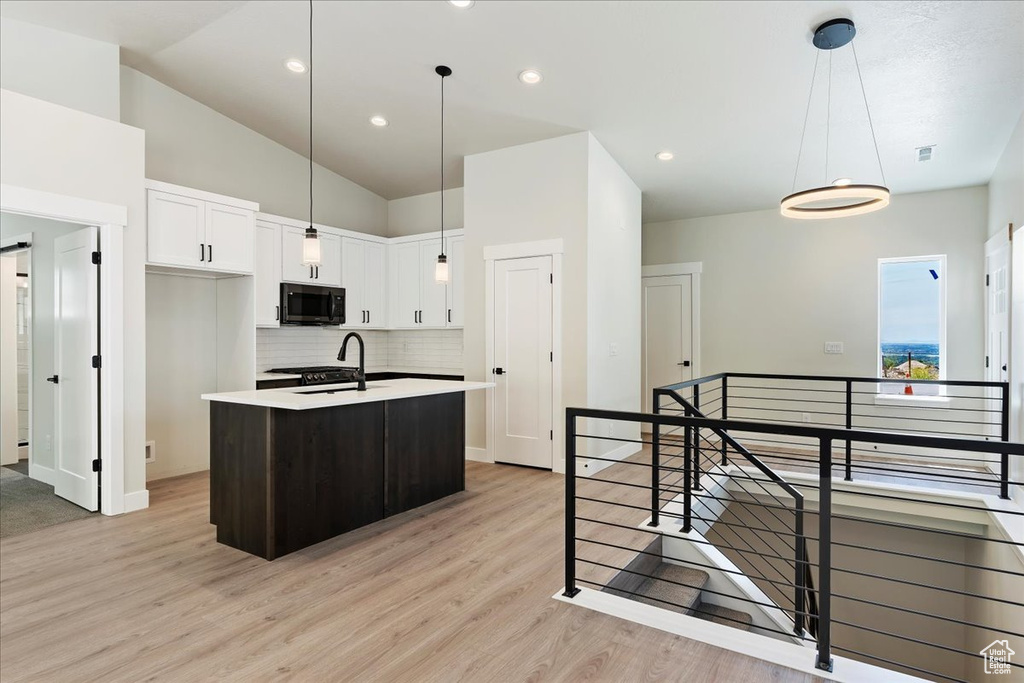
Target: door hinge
986 279
551 356
551 278
97 465
986 361
96 258
552 435
97 362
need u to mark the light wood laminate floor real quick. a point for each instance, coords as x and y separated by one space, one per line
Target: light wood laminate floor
459 590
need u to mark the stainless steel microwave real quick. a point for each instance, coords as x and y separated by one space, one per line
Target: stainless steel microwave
312 305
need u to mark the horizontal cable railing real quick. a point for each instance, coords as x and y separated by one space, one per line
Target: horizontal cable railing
875 587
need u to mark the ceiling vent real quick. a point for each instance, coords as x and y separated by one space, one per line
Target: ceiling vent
925 153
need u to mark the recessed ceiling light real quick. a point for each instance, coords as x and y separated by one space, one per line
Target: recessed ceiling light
665 156
531 77
378 121
296 66
842 182
461 4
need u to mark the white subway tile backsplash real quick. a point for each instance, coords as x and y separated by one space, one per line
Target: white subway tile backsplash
426 350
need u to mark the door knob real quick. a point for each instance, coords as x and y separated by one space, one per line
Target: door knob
1004 367
685 363
498 371
54 379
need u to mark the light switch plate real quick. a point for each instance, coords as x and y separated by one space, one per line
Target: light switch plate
833 347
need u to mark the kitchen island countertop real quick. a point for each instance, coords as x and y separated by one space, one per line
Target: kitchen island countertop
331 395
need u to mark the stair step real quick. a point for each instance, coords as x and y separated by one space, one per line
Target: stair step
724 616
686 597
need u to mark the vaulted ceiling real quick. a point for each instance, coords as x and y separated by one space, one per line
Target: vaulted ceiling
723 85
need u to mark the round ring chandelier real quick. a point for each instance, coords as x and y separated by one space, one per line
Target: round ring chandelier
842 198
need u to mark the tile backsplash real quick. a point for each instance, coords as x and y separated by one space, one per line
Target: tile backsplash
427 350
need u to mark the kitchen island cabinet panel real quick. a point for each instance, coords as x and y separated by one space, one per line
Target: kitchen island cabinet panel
425 450
239 445
329 481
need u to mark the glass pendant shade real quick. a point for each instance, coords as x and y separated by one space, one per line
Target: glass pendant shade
441 270
311 248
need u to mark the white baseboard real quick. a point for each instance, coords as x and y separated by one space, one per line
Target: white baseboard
478 455
591 467
136 500
41 473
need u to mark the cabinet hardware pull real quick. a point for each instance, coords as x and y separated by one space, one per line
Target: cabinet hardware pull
202 252
209 255
449 316
277 312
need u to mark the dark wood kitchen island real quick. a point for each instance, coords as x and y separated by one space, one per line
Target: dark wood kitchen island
292 467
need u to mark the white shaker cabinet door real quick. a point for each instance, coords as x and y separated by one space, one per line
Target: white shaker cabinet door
353 266
456 281
404 285
267 274
229 238
176 230
433 296
375 285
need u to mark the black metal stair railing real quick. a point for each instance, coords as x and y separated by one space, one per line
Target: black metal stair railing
802 603
692 454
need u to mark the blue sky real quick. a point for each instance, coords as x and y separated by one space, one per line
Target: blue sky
910 302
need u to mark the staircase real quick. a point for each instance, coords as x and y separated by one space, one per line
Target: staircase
672 587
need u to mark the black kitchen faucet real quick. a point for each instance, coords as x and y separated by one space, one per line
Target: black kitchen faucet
361 373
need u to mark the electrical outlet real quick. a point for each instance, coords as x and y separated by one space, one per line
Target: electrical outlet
613 349
833 347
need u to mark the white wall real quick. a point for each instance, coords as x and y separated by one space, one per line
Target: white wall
422 213
189 144
181 365
613 294
774 289
54 149
531 192
1006 188
62 68
1006 205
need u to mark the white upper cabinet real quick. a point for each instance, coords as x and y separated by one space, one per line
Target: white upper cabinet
433 296
328 273
199 230
229 238
404 285
456 281
363 272
267 274
415 299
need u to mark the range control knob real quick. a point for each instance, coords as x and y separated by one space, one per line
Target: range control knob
323 376
309 376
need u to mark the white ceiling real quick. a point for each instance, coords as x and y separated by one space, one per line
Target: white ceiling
724 85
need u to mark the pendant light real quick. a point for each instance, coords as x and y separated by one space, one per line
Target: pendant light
311 243
842 197
441 269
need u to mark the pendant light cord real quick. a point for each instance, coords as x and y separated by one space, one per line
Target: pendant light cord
828 115
871 125
311 113
807 114
442 165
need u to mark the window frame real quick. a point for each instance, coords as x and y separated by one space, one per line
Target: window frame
943 353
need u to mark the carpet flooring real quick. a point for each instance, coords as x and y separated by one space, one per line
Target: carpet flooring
28 505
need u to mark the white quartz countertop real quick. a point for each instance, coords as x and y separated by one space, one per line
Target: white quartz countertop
301 398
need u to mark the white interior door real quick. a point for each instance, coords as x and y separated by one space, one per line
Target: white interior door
667 345
522 361
76 340
997 310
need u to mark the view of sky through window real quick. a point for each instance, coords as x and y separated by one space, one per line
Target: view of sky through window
910 318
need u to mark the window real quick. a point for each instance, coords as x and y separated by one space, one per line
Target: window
912 321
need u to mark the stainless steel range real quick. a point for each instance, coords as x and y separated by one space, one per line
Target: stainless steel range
327 374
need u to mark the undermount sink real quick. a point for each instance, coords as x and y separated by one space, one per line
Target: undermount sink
336 390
